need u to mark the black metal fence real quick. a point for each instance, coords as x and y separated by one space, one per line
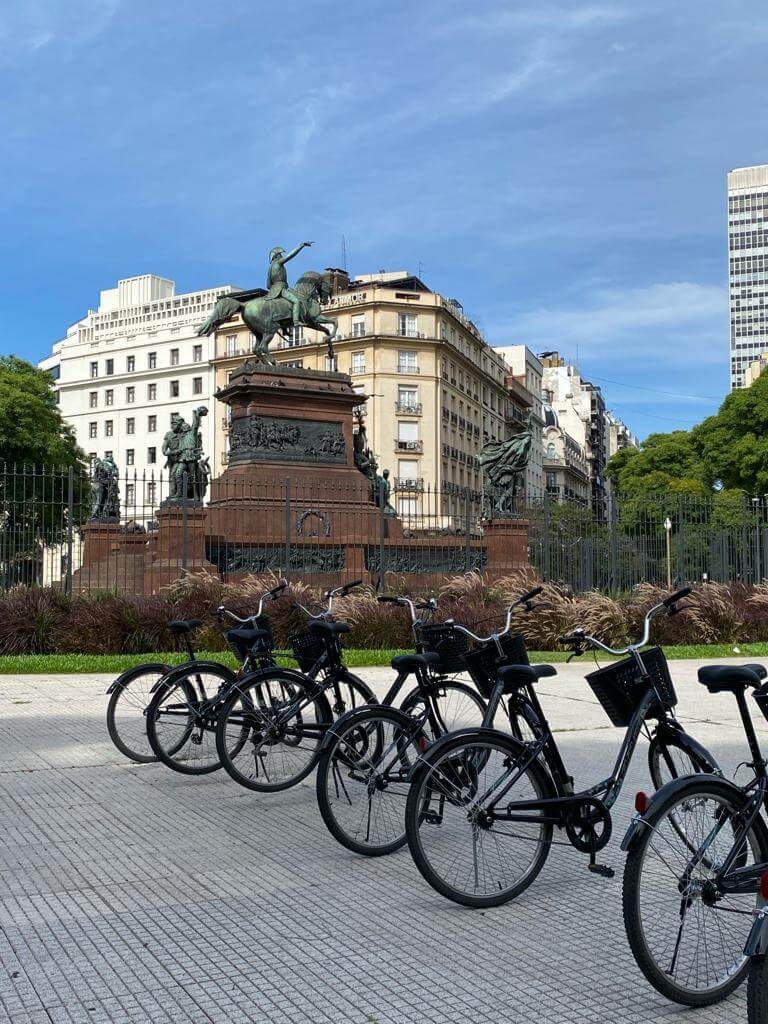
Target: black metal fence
325 532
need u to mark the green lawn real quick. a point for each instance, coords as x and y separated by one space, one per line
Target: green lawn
116 663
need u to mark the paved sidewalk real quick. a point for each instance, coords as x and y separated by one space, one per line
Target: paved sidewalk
133 895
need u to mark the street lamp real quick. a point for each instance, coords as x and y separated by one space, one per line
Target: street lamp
668 530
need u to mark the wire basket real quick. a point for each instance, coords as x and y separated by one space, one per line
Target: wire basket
449 643
307 649
241 648
482 662
620 687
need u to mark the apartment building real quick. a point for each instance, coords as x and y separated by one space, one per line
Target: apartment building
565 462
747 268
127 366
436 390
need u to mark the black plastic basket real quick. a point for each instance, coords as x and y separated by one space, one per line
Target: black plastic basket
307 649
241 649
482 662
450 644
761 699
620 687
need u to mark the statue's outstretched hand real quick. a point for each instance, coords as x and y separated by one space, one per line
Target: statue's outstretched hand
307 244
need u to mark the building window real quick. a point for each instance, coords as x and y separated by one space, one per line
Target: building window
152 392
94 370
550 451
174 357
130 395
197 353
130 494
108 455
407 362
358 326
407 506
408 436
358 362
93 399
197 385
407 325
110 367
407 398
331 364
295 336
109 397
130 425
297 364
152 360
108 428
151 492
151 424
407 473
130 364
232 345
93 429
174 392
151 456
129 456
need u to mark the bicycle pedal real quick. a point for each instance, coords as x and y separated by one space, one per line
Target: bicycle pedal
602 869
431 818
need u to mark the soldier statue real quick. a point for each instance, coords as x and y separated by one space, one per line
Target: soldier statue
105 490
277 279
183 450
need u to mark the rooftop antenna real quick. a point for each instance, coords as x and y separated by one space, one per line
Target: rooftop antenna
343 253
420 266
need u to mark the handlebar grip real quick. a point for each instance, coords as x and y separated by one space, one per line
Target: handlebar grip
386 599
532 593
677 596
571 638
278 589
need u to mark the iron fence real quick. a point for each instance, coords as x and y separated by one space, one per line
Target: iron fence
327 532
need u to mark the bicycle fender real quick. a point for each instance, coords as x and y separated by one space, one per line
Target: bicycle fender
131 673
757 941
648 819
434 750
349 716
187 669
692 746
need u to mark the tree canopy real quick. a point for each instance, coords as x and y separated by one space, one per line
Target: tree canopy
32 431
663 462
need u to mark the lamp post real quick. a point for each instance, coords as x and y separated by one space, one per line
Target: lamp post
668 531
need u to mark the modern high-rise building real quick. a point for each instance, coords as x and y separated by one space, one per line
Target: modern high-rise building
747 267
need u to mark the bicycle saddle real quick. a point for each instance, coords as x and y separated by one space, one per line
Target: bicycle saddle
247 636
330 628
515 676
411 662
720 678
184 625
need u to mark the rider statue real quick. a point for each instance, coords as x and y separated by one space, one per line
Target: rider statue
277 279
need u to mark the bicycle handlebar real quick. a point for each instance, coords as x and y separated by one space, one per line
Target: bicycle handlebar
330 594
525 599
268 595
579 639
430 605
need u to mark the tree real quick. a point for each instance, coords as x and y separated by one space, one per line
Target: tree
733 444
32 431
663 462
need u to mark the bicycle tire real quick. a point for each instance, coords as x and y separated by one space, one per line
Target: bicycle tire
662 766
757 990
449 718
128 742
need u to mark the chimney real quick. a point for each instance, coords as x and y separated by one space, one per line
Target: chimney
339 279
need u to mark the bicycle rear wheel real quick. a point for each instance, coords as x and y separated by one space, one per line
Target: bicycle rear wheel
363 779
458 706
181 719
283 720
757 991
460 849
127 711
687 938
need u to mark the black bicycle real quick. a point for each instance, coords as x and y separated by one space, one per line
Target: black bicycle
483 805
185 705
696 856
285 714
367 755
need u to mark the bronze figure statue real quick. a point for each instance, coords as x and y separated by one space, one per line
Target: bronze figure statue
188 471
105 491
280 308
504 463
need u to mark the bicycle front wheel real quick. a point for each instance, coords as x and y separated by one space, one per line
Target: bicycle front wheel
757 991
464 836
127 711
283 721
362 779
686 936
457 705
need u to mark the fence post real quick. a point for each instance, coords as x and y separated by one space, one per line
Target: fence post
382 536
614 541
184 525
287 526
547 554
468 530
70 526
681 573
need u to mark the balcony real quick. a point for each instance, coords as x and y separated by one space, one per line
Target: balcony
407 368
446 450
408 408
409 446
404 332
446 413
409 483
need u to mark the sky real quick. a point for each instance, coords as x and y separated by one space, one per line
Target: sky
559 168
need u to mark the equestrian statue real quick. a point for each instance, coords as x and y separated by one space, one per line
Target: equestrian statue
280 307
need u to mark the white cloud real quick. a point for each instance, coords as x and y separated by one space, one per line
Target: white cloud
31 26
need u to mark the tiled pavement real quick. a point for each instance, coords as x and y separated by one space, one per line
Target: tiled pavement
131 894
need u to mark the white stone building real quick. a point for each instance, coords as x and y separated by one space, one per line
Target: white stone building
127 366
747 268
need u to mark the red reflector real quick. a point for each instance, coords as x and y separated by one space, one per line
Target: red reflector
422 744
764 885
641 803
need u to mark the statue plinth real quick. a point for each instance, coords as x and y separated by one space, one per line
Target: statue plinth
100 538
506 544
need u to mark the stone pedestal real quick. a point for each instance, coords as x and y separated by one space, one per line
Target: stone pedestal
100 538
180 542
506 544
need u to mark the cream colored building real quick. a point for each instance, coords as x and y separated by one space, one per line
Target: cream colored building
435 387
755 369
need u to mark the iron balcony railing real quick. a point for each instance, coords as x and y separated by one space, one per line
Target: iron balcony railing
406 483
407 368
409 446
408 408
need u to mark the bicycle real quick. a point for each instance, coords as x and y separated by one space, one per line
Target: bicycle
186 702
285 727
478 843
697 852
756 949
367 755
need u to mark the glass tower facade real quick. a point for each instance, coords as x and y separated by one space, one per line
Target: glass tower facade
747 268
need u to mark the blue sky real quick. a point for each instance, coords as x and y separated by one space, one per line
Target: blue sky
558 167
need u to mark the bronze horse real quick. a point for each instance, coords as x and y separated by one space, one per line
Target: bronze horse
267 317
